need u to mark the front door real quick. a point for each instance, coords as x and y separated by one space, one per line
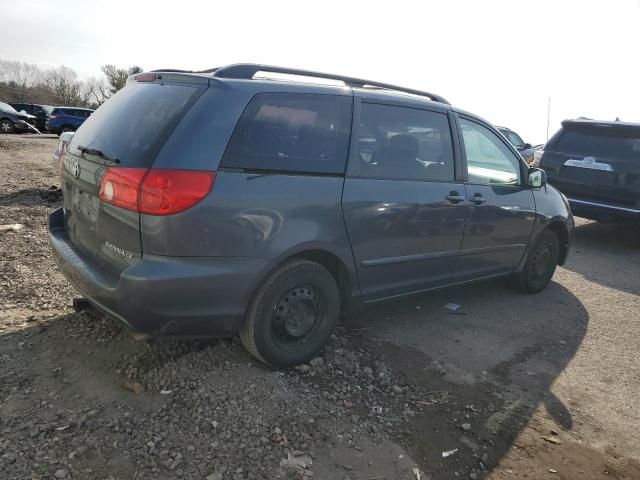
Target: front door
404 212
503 208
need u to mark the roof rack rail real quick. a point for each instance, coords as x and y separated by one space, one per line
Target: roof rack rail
248 70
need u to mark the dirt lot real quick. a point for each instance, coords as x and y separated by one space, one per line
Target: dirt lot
511 386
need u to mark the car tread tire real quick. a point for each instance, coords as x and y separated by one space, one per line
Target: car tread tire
11 128
546 249
255 331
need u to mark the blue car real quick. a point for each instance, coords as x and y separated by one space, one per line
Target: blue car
66 119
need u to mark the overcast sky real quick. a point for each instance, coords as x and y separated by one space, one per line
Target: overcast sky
498 59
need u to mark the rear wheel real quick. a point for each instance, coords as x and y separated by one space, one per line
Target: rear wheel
292 314
6 126
540 264
65 128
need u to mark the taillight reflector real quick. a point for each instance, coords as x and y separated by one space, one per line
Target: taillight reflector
155 191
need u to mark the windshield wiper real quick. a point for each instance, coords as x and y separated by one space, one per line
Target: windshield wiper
95 151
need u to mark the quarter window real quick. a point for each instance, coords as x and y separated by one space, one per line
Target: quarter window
489 160
403 143
292 132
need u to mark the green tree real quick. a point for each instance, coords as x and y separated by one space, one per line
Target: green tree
117 77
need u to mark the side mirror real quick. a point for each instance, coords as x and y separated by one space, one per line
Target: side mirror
527 146
537 178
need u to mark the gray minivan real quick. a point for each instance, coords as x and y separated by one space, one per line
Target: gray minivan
230 201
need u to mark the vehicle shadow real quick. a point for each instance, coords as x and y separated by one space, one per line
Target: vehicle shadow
598 246
490 364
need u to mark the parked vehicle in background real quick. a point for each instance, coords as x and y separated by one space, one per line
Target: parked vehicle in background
215 203
37 111
596 164
66 119
525 149
13 121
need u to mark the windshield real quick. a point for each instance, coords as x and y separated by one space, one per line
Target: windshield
7 108
513 138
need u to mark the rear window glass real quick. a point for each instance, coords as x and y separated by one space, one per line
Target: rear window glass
292 132
133 125
599 144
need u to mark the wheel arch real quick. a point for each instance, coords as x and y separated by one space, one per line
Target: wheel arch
559 228
339 267
558 225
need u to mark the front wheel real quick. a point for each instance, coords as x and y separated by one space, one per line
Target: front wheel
6 126
292 314
541 263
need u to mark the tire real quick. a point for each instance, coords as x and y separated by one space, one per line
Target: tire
6 126
292 314
540 264
65 128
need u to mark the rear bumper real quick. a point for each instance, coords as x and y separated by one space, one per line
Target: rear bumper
165 296
602 212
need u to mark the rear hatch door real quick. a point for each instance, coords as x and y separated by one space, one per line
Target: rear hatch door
128 131
596 162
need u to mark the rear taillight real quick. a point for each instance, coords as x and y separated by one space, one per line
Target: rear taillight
120 187
164 192
155 191
537 158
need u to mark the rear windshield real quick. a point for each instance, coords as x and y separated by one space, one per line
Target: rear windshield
133 125
600 143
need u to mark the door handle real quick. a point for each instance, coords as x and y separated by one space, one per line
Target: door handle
477 199
454 197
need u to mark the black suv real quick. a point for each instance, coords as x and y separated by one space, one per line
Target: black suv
223 202
37 111
596 164
13 121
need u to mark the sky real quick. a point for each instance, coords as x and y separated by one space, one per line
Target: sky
501 60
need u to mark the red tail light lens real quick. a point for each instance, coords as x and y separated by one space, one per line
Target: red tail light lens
164 192
120 187
155 192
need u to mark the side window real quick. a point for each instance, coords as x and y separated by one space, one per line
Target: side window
403 143
489 160
292 132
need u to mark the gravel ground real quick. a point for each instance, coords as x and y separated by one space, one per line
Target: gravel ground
510 386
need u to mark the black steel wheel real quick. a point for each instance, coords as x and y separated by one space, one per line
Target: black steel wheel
540 264
292 314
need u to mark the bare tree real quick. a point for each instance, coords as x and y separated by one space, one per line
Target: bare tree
26 82
64 83
94 92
